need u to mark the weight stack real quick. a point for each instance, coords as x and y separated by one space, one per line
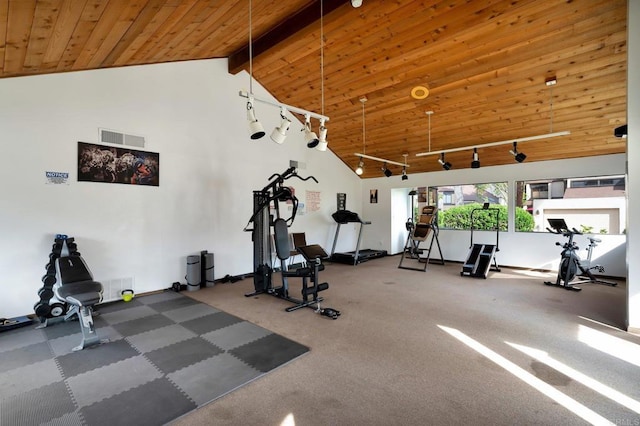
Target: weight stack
207 260
193 273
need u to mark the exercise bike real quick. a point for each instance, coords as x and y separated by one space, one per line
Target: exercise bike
571 266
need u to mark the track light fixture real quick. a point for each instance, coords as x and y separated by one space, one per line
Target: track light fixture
386 170
360 168
255 127
475 163
322 144
519 156
445 164
279 134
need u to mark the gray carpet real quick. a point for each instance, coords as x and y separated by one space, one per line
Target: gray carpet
167 355
388 361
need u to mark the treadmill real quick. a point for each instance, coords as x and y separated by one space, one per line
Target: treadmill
358 255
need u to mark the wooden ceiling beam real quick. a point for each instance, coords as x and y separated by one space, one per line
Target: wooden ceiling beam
239 60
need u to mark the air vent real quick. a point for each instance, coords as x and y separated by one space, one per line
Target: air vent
111 137
120 138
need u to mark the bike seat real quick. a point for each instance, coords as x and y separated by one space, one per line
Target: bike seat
594 240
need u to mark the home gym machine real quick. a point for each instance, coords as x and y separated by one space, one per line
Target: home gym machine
419 232
342 217
264 200
571 266
482 257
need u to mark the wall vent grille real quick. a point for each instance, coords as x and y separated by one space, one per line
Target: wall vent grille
113 288
120 138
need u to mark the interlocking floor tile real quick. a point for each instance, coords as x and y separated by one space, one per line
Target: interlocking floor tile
269 352
167 354
154 403
175 303
26 355
94 357
120 378
133 327
182 354
211 322
203 387
236 335
161 337
36 406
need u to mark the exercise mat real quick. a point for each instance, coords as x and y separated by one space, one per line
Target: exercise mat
167 355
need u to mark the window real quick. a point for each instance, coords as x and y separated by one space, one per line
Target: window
592 205
456 202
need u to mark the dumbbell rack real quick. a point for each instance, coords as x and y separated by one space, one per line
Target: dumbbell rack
49 306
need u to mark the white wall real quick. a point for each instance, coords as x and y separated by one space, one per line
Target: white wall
633 157
191 114
529 250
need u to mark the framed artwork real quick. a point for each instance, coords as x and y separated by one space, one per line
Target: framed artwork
108 164
373 196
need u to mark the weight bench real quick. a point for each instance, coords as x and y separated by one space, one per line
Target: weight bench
76 287
313 254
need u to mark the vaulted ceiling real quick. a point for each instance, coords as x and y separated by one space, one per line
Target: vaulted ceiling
484 63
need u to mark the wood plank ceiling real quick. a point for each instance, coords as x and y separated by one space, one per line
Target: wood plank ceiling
485 64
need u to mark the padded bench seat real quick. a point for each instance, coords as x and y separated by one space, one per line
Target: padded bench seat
77 288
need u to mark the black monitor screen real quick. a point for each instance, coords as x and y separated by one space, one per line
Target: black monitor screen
558 224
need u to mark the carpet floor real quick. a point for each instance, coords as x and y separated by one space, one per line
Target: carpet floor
167 355
435 348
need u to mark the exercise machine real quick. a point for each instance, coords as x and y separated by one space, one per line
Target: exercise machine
419 232
482 257
266 216
571 266
343 217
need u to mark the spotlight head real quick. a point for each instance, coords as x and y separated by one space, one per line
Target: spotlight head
310 137
475 163
519 156
279 134
620 132
404 173
445 164
255 127
322 144
386 171
405 177
356 3
360 168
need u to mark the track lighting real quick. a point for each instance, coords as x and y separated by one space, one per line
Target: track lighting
445 164
322 144
360 167
253 122
255 128
356 3
519 156
386 170
279 134
310 137
475 163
